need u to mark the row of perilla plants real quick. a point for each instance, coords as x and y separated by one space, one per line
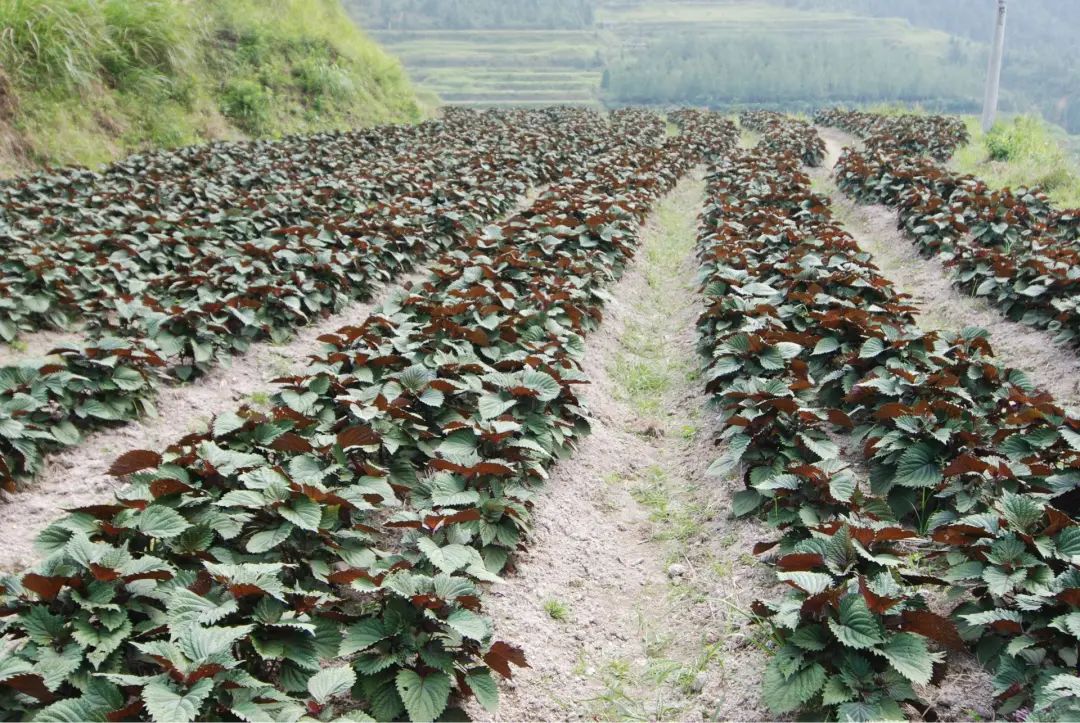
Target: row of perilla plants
781 133
324 559
937 136
947 522
1010 247
283 257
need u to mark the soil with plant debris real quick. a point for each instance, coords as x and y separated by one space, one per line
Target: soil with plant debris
633 598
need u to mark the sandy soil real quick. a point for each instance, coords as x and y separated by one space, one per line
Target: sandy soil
632 538
37 345
1051 366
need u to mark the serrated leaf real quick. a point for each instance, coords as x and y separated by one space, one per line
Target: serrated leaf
858 627
302 512
543 384
811 583
469 624
784 694
163 522
836 692
449 558
166 705
918 468
484 688
227 422
909 655
329 682
362 635
269 539
826 345
1021 511
425 698
871 348
492 405
729 460
745 501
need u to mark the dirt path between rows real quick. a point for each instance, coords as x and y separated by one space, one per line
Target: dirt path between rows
38 344
77 477
633 598
1050 366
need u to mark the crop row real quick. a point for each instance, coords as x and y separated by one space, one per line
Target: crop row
781 133
257 272
915 135
1013 249
960 482
104 242
323 558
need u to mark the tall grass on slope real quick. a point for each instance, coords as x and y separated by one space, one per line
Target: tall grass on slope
94 79
69 44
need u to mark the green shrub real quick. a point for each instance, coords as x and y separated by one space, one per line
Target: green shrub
94 79
1025 136
247 103
321 79
1025 151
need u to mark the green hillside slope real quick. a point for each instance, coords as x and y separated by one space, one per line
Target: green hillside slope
85 81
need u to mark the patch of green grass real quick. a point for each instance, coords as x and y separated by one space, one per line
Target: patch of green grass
649 367
557 610
675 519
260 399
612 478
1023 151
642 383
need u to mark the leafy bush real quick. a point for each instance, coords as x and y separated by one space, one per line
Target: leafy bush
247 102
1025 136
1011 247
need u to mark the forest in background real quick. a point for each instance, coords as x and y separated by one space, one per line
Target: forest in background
785 54
1042 48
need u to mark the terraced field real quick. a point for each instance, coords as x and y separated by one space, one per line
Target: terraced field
585 416
540 67
503 67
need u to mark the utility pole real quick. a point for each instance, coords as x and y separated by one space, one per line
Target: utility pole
993 73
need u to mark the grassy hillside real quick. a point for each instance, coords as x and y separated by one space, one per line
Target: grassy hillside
85 81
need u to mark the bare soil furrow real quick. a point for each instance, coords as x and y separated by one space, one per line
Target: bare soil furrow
37 345
633 598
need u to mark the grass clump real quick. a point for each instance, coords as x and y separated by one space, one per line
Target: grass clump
1024 151
557 610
